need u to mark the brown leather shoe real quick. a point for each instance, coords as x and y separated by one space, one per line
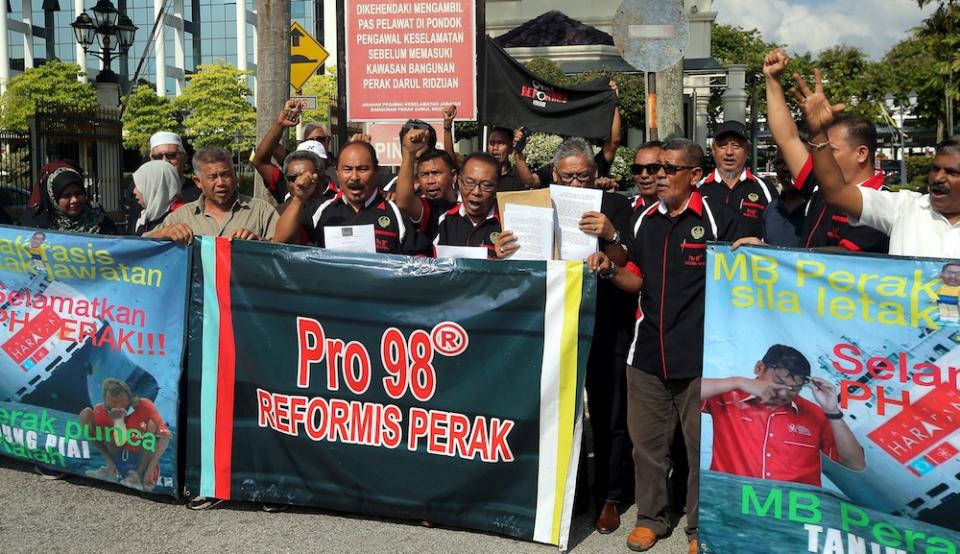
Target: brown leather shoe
609 519
693 547
641 539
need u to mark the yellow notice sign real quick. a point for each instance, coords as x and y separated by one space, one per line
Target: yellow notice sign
306 55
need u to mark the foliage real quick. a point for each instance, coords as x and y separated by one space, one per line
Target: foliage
906 68
145 114
851 78
540 148
15 164
620 168
324 87
548 71
734 45
216 108
53 86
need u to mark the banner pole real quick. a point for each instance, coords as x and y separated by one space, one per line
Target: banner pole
341 76
652 106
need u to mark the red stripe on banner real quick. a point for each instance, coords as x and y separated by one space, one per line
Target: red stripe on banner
226 362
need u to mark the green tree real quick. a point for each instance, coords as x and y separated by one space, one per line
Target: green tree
943 27
547 70
906 68
848 76
145 114
324 87
731 44
54 86
215 108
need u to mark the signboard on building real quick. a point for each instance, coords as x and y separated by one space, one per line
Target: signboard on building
385 138
306 56
410 59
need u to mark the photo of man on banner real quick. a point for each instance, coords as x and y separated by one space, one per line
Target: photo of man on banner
763 428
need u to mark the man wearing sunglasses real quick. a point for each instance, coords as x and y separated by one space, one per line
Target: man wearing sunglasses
732 183
644 171
763 428
666 248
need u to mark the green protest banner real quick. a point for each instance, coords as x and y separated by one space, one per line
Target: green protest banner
433 389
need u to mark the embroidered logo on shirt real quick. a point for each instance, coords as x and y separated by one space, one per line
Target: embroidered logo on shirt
753 197
494 236
697 232
798 429
384 221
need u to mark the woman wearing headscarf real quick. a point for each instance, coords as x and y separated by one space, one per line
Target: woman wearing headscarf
156 186
59 201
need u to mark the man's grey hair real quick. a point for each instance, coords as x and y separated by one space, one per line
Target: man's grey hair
319 165
573 147
311 127
949 146
209 155
692 152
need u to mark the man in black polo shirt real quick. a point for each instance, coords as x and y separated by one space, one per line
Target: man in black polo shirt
475 221
732 183
303 171
358 203
435 171
853 141
668 247
644 173
500 146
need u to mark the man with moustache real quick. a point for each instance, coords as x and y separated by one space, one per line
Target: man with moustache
359 202
732 183
918 224
221 210
667 244
763 429
435 171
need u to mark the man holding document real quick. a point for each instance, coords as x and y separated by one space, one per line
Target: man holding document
357 219
586 217
668 246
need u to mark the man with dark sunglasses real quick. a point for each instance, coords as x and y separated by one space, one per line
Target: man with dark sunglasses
763 428
644 171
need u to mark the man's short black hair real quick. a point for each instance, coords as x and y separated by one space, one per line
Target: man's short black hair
487 159
504 130
692 152
435 154
860 132
420 124
948 264
788 358
365 145
650 144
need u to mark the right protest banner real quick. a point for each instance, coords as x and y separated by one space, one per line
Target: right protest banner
409 59
831 416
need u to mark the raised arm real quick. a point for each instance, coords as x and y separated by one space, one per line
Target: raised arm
270 145
449 114
782 126
406 197
818 112
616 137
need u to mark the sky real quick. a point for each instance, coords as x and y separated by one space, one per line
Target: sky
813 25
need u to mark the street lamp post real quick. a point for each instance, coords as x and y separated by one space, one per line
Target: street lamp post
111 30
901 136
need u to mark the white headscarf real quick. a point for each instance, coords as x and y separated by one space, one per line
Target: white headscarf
159 184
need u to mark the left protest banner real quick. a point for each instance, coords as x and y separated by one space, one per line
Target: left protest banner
91 344
417 388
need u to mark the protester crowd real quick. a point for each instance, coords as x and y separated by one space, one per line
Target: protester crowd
645 364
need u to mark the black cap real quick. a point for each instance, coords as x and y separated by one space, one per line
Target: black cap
734 127
788 358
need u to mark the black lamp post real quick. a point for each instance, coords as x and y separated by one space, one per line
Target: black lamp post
110 29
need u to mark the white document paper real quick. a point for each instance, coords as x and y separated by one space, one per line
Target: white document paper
469 252
351 238
571 203
534 230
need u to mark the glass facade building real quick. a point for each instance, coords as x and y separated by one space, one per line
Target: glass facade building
195 32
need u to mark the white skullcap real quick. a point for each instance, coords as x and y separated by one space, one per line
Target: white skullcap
164 137
313 146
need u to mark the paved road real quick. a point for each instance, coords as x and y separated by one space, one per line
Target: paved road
80 515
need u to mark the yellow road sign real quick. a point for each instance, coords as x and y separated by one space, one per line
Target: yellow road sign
306 55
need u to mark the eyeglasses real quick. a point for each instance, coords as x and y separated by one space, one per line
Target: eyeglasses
784 376
566 179
653 169
165 156
467 185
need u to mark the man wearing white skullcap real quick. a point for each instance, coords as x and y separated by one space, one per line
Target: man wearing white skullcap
165 145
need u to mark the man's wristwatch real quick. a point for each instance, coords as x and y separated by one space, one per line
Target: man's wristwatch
609 273
835 415
615 239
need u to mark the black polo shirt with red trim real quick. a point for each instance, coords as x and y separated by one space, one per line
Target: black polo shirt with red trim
433 210
616 308
749 197
394 233
307 234
639 203
825 225
455 228
671 254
